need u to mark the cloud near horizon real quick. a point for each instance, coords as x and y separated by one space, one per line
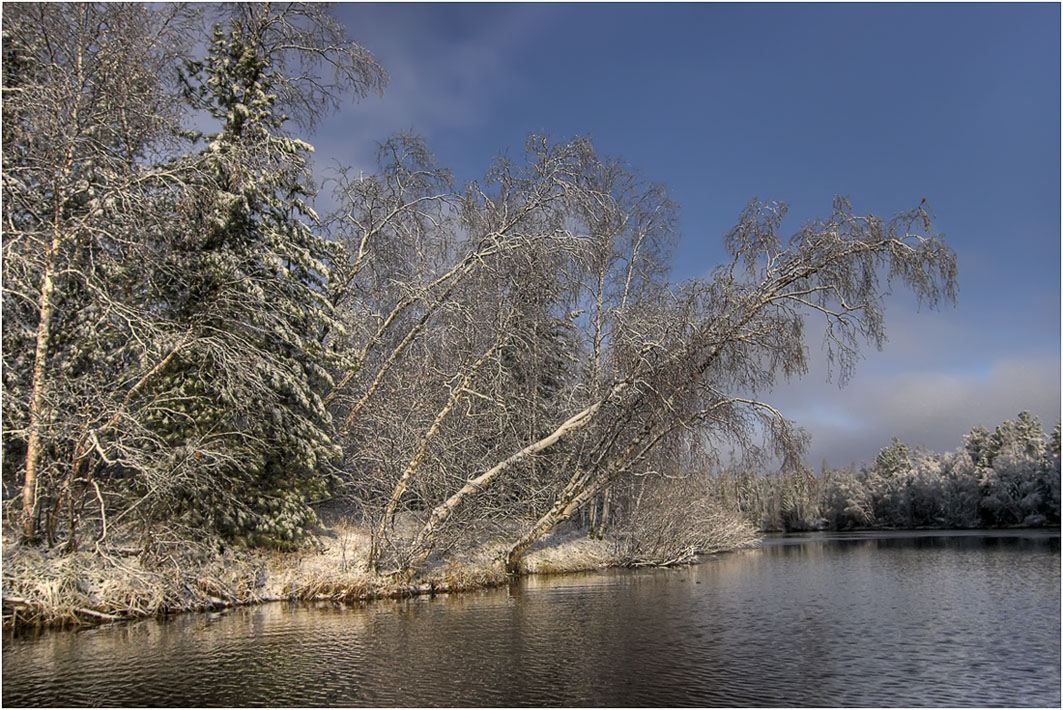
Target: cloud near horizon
923 408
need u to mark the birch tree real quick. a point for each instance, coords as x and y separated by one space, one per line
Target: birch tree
745 328
88 107
701 363
482 289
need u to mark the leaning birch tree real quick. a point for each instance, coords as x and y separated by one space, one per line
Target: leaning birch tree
701 363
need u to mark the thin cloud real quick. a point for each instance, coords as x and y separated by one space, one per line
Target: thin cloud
440 81
933 409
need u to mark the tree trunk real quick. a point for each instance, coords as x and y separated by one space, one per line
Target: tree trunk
579 490
603 519
36 413
415 462
592 518
567 504
422 545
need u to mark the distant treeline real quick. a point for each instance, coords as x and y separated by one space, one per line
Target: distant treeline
1008 477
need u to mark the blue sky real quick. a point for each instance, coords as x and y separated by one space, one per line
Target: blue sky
886 104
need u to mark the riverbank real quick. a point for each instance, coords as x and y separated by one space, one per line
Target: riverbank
48 589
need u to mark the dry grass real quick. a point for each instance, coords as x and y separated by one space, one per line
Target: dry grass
676 523
43 588
571 553
335 571
475 569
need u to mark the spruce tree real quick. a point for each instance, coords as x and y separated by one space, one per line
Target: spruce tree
253 285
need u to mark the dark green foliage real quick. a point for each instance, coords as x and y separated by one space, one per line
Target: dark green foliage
254 281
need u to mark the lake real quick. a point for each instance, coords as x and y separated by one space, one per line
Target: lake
862 619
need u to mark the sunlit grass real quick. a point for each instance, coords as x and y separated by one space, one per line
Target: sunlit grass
47 588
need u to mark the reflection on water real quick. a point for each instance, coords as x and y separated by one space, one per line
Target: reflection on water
884 619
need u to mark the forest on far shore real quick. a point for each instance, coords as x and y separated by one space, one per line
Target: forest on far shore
1009 477
195 359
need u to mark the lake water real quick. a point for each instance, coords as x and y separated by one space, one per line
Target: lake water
882 619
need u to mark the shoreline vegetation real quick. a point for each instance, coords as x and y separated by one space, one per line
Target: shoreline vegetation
53 590
1005 479
44 592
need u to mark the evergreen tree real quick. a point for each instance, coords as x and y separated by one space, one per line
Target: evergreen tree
1013 487
977 445
254 289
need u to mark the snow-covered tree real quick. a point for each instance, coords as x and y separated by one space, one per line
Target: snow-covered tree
163 302
1013 486
1051 475
91 110
253 290
1008 477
